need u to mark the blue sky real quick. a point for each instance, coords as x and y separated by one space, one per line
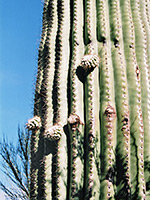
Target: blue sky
20 30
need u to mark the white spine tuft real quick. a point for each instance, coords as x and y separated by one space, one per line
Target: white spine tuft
90 61
34 123
54 133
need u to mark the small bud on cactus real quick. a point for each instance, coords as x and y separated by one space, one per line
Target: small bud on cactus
54 133
90 62
110 111
74 121
34 123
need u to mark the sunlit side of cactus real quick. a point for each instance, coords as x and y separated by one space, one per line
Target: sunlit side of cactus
91 126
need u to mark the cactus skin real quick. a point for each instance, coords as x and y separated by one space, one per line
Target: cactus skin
91 126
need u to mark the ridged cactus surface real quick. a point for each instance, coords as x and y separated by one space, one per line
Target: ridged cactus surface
91 126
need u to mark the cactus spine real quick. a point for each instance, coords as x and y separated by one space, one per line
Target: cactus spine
91 126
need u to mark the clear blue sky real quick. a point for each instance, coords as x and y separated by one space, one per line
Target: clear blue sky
20 30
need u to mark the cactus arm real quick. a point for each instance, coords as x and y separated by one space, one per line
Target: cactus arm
142 52
121 98
136 119
107 103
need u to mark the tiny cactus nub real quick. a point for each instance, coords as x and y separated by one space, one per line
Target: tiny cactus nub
54 133
74 121
90 61
34 123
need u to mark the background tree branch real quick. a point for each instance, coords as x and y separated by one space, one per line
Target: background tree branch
16 166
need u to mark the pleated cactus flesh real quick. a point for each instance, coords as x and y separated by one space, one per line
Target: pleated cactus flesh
91 126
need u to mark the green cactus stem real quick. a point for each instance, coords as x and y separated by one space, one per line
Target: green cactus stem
143 63
91 97
122 107
107 104
137 132
75 157
34 125
91 126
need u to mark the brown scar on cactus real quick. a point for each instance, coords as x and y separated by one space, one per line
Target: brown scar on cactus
74 121
137 71
34 123
125 121
54 133
110 112
116 43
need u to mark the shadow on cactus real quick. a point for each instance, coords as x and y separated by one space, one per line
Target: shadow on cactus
122 180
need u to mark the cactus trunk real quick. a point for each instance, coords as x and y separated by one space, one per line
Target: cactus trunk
91 126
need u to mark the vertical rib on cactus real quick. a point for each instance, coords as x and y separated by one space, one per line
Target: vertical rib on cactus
146 23
91 180
147 7
33 169
76 111
76 53
73 190
136 119
40 59
35 133
121 97
141 48
60 98
61 63
89 62
34 125
75 161
108 113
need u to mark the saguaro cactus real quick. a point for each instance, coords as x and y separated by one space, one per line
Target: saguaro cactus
91 126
